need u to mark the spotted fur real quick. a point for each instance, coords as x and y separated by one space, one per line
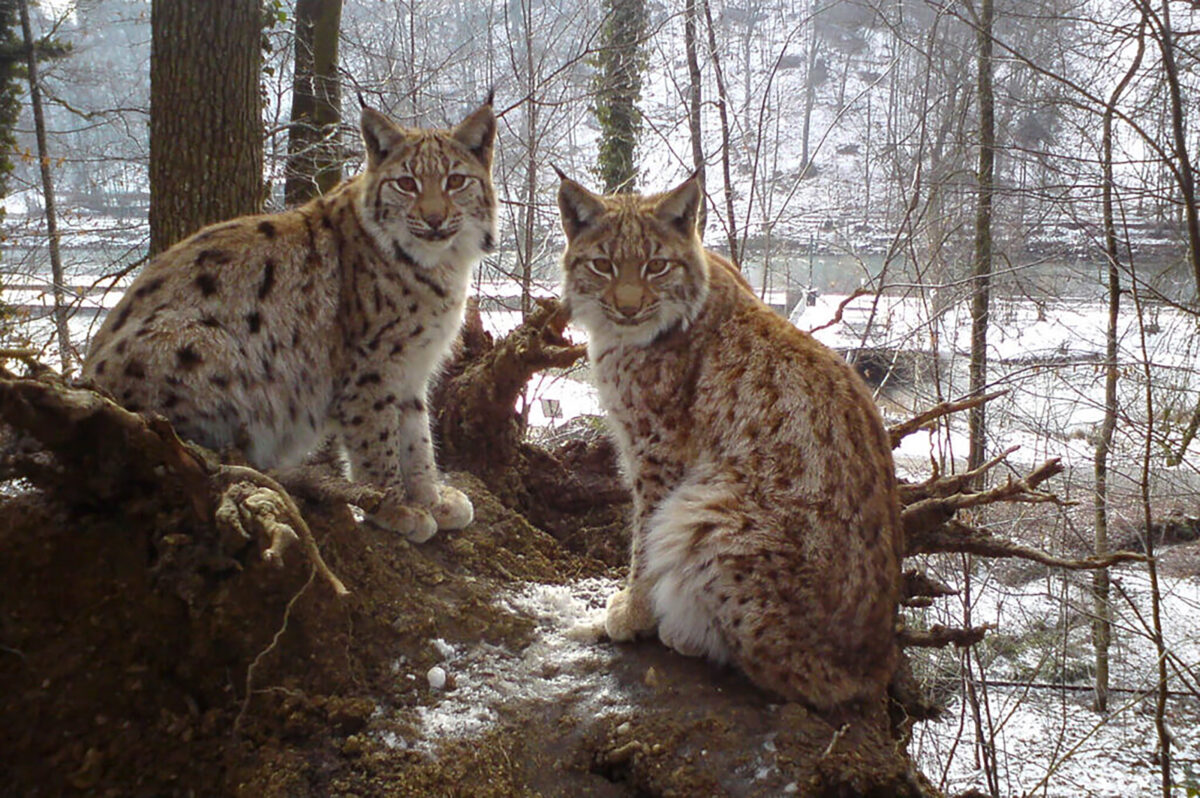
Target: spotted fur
271 332
766 525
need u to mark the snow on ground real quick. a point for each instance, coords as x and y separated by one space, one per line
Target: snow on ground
562 663
1055 745
1047 742
1051 742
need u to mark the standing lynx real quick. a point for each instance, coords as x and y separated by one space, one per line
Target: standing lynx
271 332
766 525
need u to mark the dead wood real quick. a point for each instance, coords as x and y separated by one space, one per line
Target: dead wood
941 636
958 537
898 432
570 491
919 589
475 420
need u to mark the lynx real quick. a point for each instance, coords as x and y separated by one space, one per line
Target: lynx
766 526
271 333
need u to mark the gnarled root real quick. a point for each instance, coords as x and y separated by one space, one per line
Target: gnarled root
79 425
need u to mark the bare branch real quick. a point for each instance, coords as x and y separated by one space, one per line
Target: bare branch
958 537
902 430
941 636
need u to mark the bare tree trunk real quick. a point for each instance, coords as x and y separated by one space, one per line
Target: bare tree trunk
695 99
810 92
1184 177
1187 183
529 211
206 132
1101 608
1155 626
730 218
62 332
981 297
314 157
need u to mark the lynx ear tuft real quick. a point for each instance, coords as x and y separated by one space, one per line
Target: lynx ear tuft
577 206
478 132
380 135
680 207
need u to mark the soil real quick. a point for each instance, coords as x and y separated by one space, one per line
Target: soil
142 654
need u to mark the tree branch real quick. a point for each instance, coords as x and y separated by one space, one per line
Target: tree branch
899 432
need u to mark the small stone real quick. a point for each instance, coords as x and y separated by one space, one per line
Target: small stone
791 789
354 746
624 728
653 678
436 677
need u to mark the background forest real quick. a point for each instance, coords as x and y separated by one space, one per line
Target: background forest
961 197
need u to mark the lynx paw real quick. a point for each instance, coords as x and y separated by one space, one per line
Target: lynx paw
627 616
396 514
452 510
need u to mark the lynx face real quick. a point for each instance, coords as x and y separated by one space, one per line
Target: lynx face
430 192
634 266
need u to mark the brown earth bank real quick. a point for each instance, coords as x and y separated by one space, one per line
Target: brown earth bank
144 653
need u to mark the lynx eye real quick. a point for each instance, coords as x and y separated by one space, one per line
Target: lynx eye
656 267
455 182
408 184
601 266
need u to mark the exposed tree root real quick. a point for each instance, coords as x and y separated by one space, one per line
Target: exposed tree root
920 589
958 537
475 420
83 428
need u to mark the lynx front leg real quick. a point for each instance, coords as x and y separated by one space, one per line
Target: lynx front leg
630 612
388 442
450 507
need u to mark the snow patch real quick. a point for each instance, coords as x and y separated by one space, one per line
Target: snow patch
559 665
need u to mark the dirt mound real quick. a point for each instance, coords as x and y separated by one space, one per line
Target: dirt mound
159 637
142 655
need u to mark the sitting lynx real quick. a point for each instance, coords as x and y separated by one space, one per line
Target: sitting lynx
272 332
766 524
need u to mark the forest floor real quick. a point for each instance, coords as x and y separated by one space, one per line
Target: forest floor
140 657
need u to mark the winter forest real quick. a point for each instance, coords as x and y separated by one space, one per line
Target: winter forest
987 207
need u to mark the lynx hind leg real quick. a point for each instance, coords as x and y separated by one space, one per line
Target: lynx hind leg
782 637
682 564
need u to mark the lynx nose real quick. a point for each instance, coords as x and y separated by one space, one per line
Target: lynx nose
628 299
434 220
